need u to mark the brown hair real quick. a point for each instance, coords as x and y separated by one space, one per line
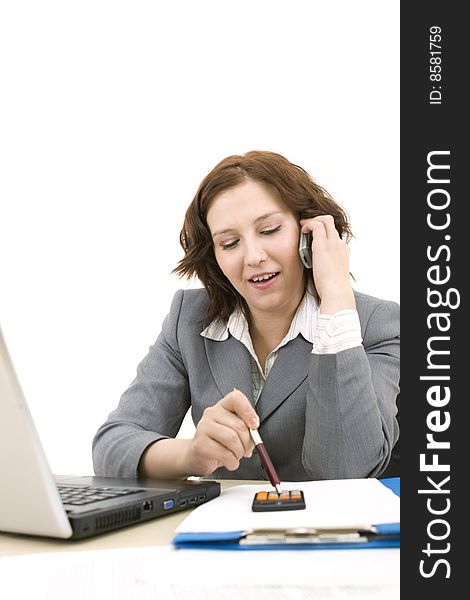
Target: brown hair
297 189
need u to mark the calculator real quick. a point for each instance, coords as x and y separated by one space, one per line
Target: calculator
285 500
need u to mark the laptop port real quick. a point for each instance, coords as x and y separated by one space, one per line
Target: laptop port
183 502
147 505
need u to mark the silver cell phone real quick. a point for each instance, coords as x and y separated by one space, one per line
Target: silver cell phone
305 249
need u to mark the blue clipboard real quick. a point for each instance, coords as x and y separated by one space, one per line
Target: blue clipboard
385 535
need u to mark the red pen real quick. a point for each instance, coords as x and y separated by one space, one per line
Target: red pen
265 460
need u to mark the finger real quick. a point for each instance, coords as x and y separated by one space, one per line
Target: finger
236 402
214 450
306 225
231 439
328 227
251 419
233 431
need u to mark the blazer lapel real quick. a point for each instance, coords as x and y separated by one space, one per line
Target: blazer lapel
229 362
290 369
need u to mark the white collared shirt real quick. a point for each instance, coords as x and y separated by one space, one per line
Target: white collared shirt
328 334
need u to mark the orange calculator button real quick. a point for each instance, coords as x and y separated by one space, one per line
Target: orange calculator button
262 496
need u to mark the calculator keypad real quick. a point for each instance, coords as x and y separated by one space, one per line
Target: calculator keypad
285 500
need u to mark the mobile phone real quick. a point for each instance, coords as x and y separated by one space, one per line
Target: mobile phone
305 249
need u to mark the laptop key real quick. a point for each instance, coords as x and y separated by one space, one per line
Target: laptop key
80 495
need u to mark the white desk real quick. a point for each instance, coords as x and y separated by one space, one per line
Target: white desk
56 567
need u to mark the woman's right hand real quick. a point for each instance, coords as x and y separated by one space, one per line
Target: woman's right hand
222 436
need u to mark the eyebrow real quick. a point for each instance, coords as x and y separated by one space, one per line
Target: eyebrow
257 220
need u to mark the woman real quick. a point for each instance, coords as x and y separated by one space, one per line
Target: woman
265 343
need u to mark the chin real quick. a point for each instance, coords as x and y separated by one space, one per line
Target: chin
268 305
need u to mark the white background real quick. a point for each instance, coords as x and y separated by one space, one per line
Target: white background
111 113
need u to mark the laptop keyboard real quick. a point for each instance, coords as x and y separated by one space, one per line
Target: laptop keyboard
80 495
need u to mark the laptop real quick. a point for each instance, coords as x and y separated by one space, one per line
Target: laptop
33 501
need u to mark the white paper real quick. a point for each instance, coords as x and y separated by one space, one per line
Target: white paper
95 575
165 573
295 568
331 503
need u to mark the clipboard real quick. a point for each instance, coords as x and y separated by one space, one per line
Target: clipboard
376 536
382 535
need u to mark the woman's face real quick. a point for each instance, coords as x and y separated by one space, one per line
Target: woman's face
256 239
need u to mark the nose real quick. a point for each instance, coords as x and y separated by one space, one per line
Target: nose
255 253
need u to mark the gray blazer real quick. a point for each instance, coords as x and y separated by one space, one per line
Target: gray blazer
321 416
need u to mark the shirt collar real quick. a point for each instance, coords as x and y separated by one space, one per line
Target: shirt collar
304 323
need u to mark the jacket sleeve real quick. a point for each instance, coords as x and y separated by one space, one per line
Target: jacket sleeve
152 408
351 425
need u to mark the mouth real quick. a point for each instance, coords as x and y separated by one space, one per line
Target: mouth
264 279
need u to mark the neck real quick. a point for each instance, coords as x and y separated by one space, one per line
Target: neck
267 330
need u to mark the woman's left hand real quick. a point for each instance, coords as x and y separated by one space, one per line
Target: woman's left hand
330 264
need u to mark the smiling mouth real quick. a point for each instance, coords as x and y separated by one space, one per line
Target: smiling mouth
262 278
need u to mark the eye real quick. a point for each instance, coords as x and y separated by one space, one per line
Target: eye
229 246
270 231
